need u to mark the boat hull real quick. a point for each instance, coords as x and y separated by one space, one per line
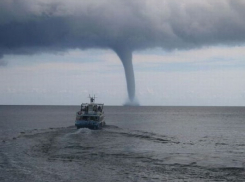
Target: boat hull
89 124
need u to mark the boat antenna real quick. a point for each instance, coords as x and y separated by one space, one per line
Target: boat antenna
92 98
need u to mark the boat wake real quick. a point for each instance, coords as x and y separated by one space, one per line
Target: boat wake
110 154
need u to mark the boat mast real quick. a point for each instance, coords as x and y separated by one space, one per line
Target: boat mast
92 99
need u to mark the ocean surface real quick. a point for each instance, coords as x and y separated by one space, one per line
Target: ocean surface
41 143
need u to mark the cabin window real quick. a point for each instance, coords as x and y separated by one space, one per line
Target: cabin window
85 118
94 118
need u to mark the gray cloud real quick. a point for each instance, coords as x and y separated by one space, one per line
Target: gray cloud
28 27
138 24
2 62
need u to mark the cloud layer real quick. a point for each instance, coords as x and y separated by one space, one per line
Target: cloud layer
28 26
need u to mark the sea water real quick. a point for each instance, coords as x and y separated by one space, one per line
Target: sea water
41 143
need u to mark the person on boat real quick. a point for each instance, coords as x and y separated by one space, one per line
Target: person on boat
95 108
99 109
86 109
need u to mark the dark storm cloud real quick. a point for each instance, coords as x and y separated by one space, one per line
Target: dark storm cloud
28 27
42 25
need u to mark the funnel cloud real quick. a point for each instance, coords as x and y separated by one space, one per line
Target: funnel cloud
126 57
31 27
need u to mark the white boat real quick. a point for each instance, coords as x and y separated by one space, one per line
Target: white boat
91 115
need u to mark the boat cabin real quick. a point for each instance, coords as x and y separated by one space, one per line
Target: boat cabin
91 108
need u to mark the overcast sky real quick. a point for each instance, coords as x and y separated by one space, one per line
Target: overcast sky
184 53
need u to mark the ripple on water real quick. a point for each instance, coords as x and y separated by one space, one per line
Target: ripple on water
129 155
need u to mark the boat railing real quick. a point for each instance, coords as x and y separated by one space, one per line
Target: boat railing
79 113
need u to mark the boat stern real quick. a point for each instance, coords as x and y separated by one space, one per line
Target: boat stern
87 124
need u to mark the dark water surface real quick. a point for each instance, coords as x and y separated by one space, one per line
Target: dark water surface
40 143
